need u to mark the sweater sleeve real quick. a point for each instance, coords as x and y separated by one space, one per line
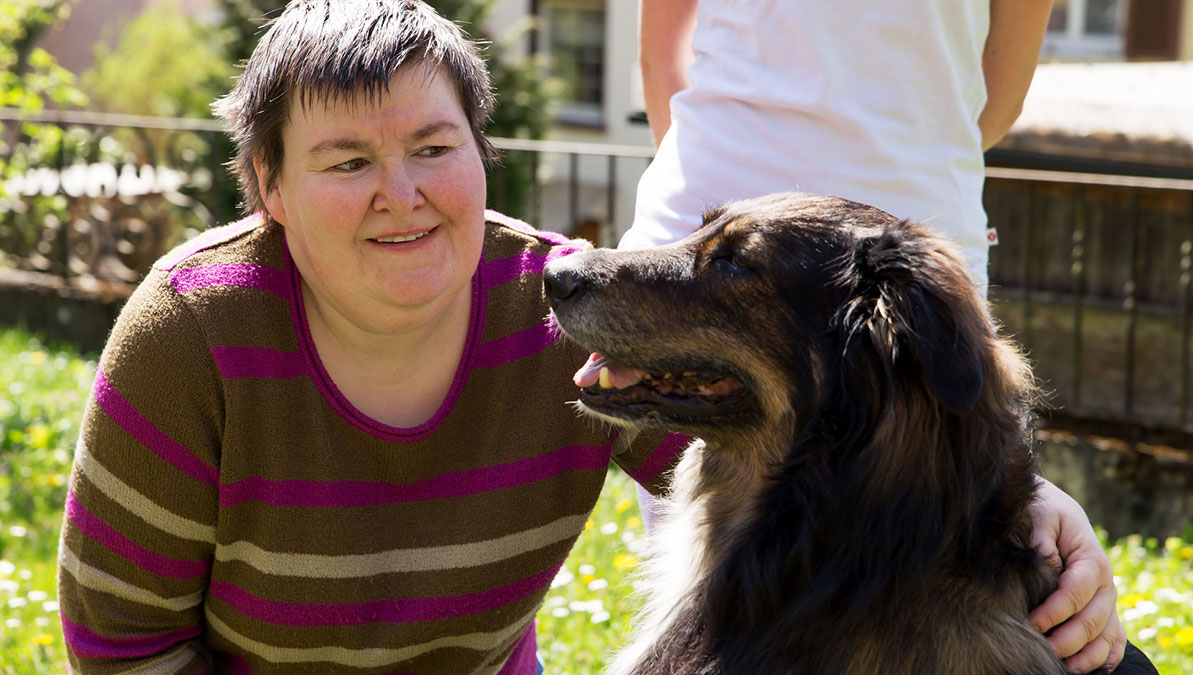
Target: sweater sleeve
649 456
139 532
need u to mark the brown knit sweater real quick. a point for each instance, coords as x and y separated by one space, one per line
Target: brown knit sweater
231 511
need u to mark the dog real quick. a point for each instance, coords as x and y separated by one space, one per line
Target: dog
857 501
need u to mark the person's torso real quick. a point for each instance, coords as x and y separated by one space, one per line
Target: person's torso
873 101
343 543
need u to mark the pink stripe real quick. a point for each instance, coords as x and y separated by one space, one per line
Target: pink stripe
114 541
235 362
210 238
446 486
147 433
385 610
516 346
522 660
247 275
667 450
501 270
87 644
235 664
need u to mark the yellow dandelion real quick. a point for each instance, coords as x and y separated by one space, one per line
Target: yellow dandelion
623 505
57 480
1184 636
587 578
588 526
624 561
43 639
1187 552
634 522
38 435
37 358
1130 599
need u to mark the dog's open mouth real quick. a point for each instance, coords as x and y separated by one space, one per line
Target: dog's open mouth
610 387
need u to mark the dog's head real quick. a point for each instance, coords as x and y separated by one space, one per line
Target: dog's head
753 319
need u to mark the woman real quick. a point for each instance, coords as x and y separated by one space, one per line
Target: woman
336 437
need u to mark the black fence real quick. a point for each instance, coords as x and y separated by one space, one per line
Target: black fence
1092 273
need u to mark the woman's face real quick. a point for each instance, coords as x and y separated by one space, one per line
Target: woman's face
383 202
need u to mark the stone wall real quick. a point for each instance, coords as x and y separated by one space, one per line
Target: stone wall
1126 488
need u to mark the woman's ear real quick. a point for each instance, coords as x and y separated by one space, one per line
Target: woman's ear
271 196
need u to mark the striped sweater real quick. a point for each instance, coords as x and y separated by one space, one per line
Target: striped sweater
230 511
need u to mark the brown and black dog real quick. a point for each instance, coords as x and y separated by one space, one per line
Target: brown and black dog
859 501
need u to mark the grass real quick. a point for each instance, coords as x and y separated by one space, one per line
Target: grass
42 391
585 617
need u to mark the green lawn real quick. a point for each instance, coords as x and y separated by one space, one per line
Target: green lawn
42 391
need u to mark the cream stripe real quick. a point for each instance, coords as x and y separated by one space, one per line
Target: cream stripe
140 505
98 580
167 665
366 658
400 560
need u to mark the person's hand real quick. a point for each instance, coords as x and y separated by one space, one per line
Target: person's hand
1088 633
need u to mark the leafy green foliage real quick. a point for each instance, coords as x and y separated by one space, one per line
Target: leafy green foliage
166 64
30 80
28 74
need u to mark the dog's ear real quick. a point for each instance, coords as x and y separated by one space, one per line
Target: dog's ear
921 313
951 363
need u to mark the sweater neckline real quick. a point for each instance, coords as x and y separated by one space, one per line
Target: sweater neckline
340 403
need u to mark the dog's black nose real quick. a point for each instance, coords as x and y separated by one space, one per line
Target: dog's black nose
561 285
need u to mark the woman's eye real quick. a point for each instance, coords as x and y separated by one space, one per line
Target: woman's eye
350 165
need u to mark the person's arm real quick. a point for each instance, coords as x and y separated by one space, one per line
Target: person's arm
665 30
1087 632
1017 30
139 537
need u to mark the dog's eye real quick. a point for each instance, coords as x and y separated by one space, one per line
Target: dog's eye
728 262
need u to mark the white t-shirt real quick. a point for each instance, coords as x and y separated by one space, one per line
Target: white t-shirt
872 100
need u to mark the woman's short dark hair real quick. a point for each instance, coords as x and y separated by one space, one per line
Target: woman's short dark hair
320 51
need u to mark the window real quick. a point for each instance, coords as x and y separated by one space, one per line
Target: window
1085 30
575 39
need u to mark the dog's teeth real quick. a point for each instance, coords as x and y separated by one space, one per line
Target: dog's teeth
605 380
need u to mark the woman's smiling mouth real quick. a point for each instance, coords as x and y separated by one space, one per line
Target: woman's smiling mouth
402 238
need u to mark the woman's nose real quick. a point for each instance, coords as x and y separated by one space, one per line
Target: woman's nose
398 190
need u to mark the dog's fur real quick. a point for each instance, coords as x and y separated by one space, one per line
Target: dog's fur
859 502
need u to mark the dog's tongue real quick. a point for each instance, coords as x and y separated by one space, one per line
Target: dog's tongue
616 376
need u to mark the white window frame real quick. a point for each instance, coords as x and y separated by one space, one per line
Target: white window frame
574 112
1074 44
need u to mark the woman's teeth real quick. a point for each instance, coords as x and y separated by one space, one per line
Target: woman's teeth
398 240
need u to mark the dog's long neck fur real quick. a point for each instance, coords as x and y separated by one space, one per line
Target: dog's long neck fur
860 524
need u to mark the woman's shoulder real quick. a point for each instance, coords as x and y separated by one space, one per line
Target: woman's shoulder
251 239
231 279
506 236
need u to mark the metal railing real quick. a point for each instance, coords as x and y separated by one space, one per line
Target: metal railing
1096 283
1093 272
